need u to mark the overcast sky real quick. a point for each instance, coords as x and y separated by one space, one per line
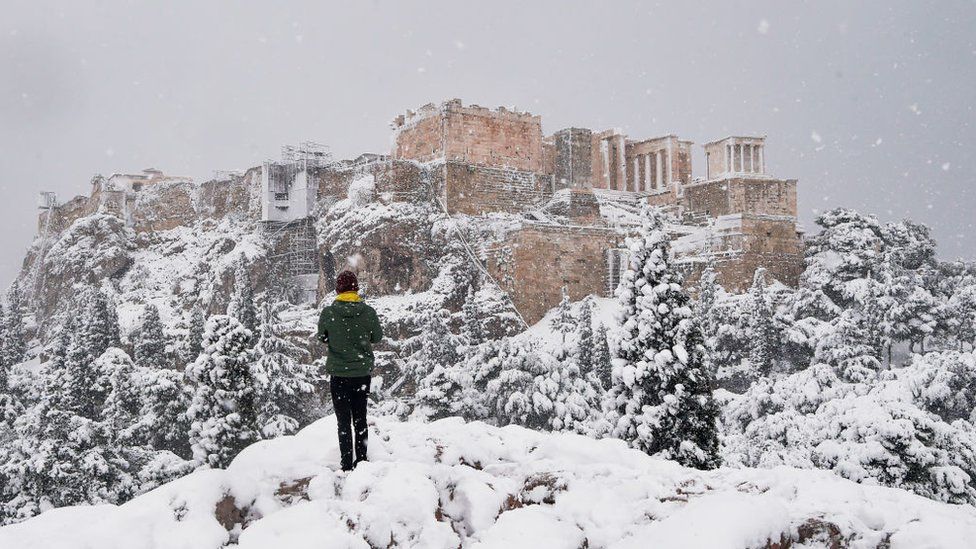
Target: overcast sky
867 104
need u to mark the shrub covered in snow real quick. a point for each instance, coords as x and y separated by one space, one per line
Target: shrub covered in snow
879 429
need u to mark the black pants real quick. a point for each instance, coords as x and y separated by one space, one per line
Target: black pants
349 400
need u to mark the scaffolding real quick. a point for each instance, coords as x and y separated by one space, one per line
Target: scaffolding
295 256
307 154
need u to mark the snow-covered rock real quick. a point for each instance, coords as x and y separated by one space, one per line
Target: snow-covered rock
450 484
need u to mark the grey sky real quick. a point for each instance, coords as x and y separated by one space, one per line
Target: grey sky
868 104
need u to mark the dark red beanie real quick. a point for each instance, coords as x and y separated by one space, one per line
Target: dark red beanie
347 282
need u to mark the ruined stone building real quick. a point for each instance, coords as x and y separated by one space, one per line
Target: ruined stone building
573 183
564 203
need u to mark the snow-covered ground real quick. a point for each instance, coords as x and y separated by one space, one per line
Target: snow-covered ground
449 484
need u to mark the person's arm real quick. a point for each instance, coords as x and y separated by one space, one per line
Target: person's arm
323 332
377 332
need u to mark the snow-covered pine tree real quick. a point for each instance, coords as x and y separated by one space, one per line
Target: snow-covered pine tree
4 365
435 366
762 340
124 401
286 394
472 330
193 344
10 406
100 325
241 304
435 345
78 386
64 454
602 364
13 348
661 390
962 309
150 341
563 323
586 344
163 418
222 414
446 391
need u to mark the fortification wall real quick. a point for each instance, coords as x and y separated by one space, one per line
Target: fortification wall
759 196
475 190
476 135
752 241
535 263
422 140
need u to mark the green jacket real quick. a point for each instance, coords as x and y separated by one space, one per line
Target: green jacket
350 329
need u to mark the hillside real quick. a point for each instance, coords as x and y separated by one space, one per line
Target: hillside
451 484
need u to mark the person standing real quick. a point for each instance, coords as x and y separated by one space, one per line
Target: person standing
349 327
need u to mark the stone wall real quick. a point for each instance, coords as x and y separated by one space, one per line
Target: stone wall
761 196
476 190
573 165
753 241
536 262
423 140
476 135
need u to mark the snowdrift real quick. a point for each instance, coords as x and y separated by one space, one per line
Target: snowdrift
451 484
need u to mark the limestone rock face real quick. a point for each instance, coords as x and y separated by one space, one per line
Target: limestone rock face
393 247
170 205
92 249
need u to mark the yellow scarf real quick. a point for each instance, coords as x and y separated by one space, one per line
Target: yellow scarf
349 296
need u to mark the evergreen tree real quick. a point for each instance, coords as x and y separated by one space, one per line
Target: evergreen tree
150 341
222 414
472 330
63 453
441 393
434 346
242 302
661 385
586 344
124 401
194 339
99 326
563 322
13 348
78 386
602 365
163 421
286 393
762 340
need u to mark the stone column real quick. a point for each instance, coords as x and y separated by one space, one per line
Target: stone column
659 171
636 177
621 163
647 172
762 161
